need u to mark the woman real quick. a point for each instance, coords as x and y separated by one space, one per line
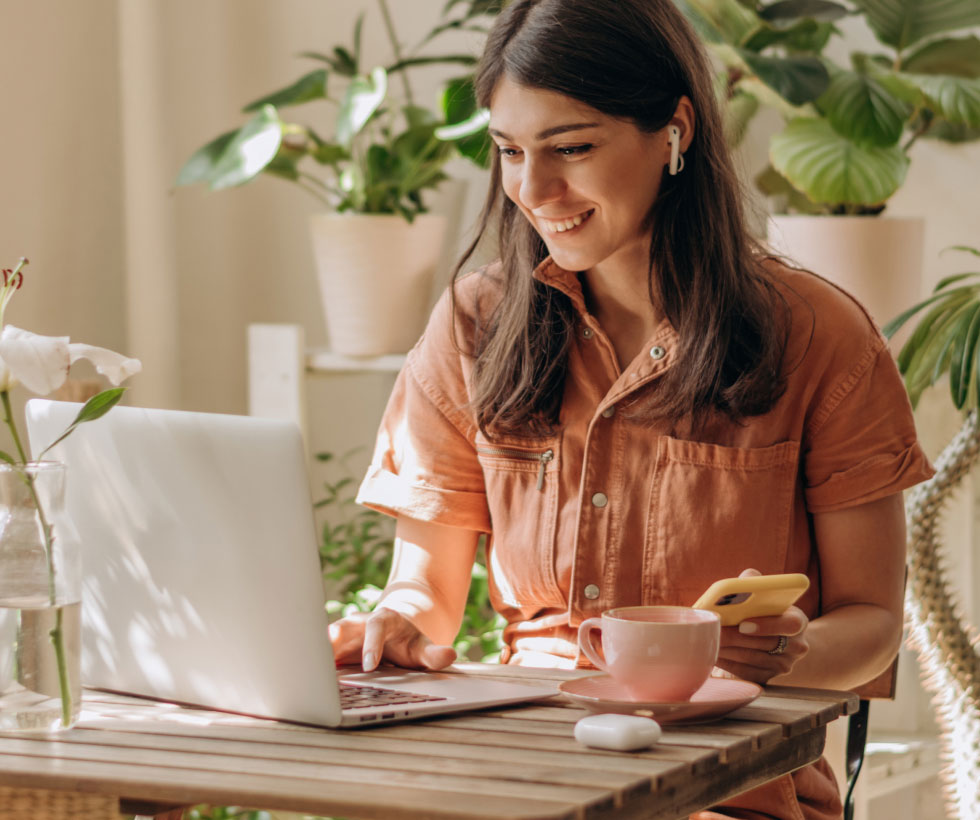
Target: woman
635 401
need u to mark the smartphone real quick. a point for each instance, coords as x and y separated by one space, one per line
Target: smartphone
756 596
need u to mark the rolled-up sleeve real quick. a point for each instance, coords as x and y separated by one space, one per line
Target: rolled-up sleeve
425 464
862 445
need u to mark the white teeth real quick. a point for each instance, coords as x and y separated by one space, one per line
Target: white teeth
566 224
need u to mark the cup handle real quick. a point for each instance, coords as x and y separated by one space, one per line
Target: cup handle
587 644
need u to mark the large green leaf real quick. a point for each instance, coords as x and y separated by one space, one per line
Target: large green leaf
956 99
312 86
787 12
364 96
831 169
863 110
797 79
958 56
902 23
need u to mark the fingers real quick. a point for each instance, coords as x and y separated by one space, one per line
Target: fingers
749 650
384 634
749 573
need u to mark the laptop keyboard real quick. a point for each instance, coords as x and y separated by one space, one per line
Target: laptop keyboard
356 696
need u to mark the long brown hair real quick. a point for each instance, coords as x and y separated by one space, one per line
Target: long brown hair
631 59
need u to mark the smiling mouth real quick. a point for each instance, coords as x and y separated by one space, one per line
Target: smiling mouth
566 225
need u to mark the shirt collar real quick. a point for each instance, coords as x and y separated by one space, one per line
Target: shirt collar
551 273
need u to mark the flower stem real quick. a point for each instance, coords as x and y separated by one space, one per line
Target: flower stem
56 634
8 418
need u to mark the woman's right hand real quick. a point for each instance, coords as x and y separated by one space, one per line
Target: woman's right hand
367 637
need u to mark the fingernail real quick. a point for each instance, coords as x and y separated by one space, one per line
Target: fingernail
746 628
368 662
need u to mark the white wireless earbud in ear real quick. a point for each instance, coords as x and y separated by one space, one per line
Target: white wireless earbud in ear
676 157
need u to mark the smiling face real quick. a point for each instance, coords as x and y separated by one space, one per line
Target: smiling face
586 181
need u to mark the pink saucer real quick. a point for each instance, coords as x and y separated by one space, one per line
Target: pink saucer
717 697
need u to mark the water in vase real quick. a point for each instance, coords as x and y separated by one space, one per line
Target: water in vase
30 690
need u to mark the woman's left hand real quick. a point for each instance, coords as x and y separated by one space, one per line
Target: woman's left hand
759 649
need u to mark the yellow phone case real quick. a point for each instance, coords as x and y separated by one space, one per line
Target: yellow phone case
757 596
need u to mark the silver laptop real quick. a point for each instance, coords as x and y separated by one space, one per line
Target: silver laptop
201 575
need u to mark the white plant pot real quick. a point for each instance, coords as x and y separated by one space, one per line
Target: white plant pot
877 259
375 273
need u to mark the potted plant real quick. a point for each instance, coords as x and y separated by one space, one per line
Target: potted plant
376 244
945 343
848 130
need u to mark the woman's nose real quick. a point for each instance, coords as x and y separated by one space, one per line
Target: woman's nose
540 185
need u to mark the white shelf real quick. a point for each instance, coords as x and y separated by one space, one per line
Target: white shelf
279 364
322 360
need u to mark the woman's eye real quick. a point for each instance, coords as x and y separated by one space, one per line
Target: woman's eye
504 151
572 150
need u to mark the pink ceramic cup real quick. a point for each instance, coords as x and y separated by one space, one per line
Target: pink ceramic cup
657 653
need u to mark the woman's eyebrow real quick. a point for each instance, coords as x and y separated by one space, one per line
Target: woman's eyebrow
550 132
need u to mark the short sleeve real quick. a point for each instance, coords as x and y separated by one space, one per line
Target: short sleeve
425 464
862 444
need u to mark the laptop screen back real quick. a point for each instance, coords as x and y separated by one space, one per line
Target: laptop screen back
201 577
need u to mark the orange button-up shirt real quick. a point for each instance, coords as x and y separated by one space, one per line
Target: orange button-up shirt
612 510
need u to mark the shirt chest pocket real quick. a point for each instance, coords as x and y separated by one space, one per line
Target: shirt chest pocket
521 477
715 511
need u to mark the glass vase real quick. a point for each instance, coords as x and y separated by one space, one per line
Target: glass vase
40 602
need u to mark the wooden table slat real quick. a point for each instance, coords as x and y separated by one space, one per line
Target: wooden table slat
431 778
409 759
186 786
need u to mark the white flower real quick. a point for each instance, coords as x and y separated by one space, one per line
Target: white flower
41 363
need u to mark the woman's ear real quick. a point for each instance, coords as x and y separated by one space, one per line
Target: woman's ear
683 120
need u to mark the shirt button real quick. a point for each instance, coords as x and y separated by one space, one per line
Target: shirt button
591 592
587 333
657 352
609 412
599 500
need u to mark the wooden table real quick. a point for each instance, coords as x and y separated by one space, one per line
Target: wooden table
140 757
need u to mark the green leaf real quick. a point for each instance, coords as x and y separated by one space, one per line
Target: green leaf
806 36
283 167
203 162
964 248
964 354
95 408
788 199
956 99
860 108
831 169
329 153
363 97
789 11
467 123
946 281
952 132
312 86
902 23
7 457
957 56
249 151
798 79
